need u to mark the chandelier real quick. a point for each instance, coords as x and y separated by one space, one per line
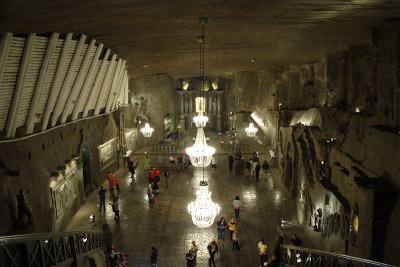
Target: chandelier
251 130
203 210
147 131
200 153
200 120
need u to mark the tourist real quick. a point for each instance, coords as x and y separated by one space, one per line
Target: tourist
213 163
274 262
156 191
116 180
115 207
111 181
230 161
262 249
23 209
180 162
257 170
252 166
194 249
171 159
153 257
122 261
295 241
161 159
102 198
235 243
190 258
166 174
131 168
212 250
151 177
146 163
247 167
156 174
241 166
265 168
236 206
221 225
232 226
149 194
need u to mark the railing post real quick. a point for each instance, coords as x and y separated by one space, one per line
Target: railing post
71 241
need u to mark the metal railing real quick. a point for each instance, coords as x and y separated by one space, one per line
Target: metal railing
299 256
44 250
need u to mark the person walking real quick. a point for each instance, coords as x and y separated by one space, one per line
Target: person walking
190 258
212 250
221 225
236 206
146 163
232 226
153 257
247 166
111 181
194 249
156 191
235 243
213 163
115 206
265 168
116 180
230 161
262 249
131 168
257 170
102 198
166 174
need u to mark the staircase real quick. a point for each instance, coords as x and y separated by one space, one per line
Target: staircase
299 256
52 249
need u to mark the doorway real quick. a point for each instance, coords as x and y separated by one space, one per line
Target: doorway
87 176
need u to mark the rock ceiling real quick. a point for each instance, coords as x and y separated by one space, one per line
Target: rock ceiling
163 33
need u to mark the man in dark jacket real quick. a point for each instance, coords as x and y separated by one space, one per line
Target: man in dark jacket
212 249
230 161
257 169
102 198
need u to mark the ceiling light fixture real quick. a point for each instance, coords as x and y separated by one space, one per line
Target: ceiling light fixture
200 153
147 131
251 131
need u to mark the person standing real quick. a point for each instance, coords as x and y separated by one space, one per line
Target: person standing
131 168
102 198
166 174
232 226
265 168
212 250
235 243
23 209
295 241
236 206
116 180
213 163
221 225
274 262
257 170
230 161
111 181
115 206
146 163
247 166
262 249
190 258
194 249
156 190
153 257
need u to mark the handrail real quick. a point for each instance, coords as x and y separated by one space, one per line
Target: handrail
313 257
50 249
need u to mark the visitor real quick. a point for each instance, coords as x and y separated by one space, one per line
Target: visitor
116 180
115 206
171 159
236 206
23 209
232 226
235 243
131 168
151 177
221 225
153 257
180 162
212 250
122 261
187 161
230 161
262 249
156 191
156 178
102 198
252 167
194 249
257 170
274 262
190 258
111 181
146 163
149 194
166 174
295 241
247 167
265 168
213 163
241 166
161 159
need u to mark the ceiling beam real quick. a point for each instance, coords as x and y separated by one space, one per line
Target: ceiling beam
30 121
94 93
4 46
120 89
19 87
104 85
53 97
83 95
65 89
117 75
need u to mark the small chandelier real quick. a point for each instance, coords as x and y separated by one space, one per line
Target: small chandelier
200 120
251 130
147 131
203 210
200 153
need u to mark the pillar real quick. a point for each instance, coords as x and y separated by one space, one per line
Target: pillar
219 128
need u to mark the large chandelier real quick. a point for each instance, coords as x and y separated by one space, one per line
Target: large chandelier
200 153
200 120
203 210
251 130
147 131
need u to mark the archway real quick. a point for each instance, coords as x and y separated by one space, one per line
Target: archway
87 175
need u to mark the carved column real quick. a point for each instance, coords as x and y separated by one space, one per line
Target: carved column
219 128
182 114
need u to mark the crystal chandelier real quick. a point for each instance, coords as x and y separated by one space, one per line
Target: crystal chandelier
203 210
200 153
147 131
200 120
251 130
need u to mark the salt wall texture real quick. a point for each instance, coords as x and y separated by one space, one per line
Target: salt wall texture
339 149
32 163
160 102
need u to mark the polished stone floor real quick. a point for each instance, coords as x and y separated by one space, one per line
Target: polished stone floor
168 226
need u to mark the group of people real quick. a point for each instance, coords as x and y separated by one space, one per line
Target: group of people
249 167
115 259
115 200
153 189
